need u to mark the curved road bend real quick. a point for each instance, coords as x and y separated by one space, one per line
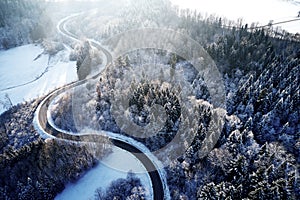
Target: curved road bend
41 114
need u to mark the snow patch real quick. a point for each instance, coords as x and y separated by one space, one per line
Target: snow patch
113 167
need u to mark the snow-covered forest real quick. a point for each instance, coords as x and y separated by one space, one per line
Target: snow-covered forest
256 155
22 22
129 188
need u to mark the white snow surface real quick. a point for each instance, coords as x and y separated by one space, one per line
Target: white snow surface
18 65
251 11
113 167
21 66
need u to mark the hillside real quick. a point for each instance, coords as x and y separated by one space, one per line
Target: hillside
224 124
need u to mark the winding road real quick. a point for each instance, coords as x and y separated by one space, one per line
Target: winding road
44 127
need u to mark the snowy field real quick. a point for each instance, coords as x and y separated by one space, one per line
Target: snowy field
27 73
249 10
115 166
21 65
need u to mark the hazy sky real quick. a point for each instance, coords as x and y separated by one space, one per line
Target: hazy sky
261 11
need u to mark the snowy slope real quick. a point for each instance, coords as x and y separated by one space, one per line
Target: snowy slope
115 166
29 75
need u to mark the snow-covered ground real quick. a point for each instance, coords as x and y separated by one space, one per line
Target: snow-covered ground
26 73
18 65
249 10
115 166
